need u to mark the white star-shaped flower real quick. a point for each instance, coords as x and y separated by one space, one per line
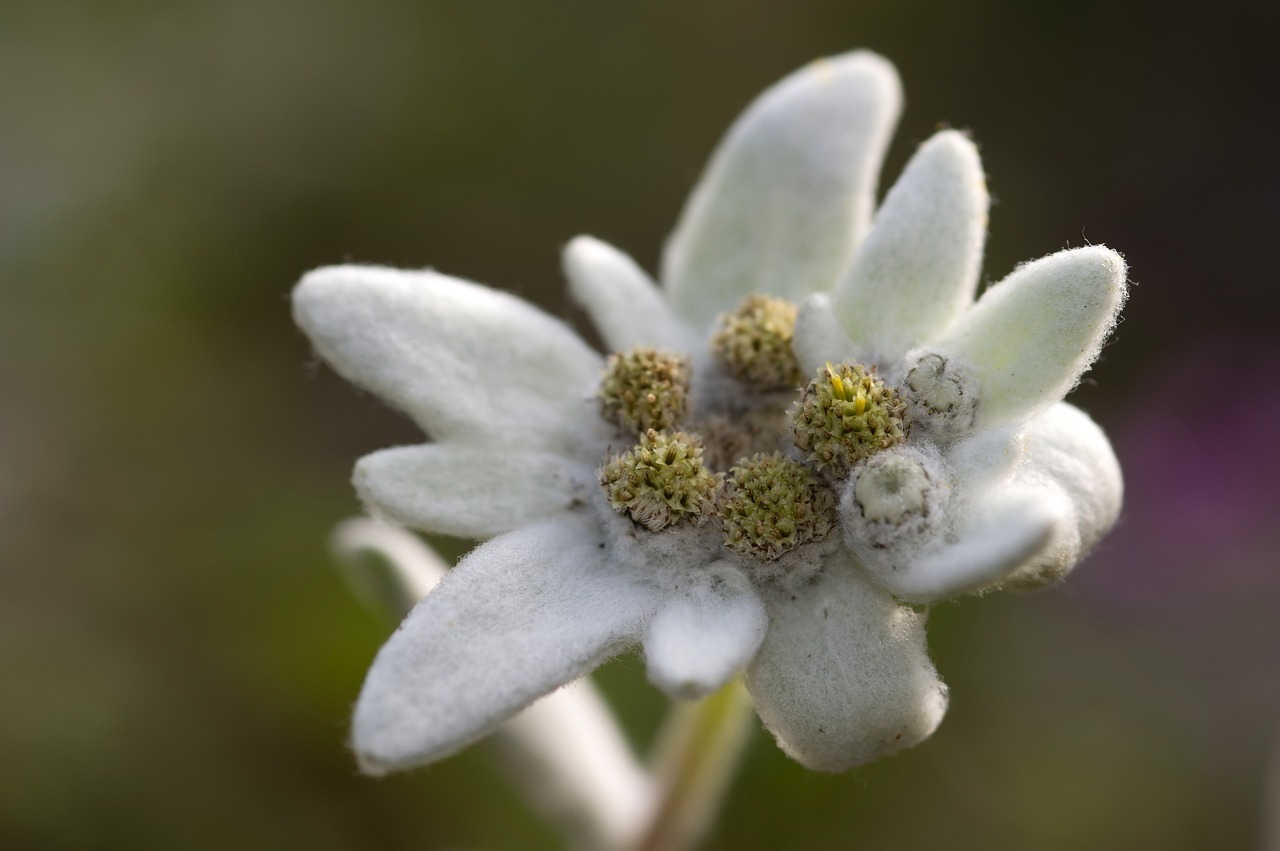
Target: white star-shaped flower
668 505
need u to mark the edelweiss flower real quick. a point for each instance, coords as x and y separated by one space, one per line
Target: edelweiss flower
682 495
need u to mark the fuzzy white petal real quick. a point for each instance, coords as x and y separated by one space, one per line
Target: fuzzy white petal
819 339
626 305
985 457
1013 527
705 633
468 363
1066 451
1066 445
468 491
520 616
918 268
843 676
565 752
789 190
1031 336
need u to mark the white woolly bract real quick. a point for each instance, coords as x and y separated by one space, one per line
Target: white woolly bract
565 752
1068 454
520 616
705 633
1031 336
820 339
484 493
843 676
788 192
468 363
625 305
1004 532
917 270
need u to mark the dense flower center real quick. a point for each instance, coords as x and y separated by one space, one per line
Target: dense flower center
661 482
645 389
753 343
772 505
761 461
845 415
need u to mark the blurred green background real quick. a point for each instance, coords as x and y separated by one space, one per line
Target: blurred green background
179 655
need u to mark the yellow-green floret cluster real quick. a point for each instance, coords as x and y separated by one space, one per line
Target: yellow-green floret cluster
645 389
844 416
753 343
661 481
769 502
772 505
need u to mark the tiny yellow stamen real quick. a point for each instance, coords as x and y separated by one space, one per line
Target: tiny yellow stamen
844 417
837 386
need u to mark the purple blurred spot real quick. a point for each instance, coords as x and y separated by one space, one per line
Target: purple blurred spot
1200 449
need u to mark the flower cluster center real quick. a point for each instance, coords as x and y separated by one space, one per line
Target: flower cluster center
773 504
844 416
763 471
662 482
753 343
645 389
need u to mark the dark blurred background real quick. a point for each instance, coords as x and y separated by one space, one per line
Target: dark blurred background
179 654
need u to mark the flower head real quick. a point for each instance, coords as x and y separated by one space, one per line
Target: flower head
645 389
774 504
661 482
845 416
690 504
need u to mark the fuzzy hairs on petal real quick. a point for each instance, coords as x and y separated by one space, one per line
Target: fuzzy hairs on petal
1069 453
625 305
844 676
708 631
1030 337
917 270
788 192
468 491
519 617
467 363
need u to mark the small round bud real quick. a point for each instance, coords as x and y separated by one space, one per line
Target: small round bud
661 481
895 497
941 396
753 343
846 415
645 389
772 505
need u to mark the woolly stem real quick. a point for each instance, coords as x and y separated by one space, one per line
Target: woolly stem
697 757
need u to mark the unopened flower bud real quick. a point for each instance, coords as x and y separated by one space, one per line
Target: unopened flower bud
941 396
895 498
